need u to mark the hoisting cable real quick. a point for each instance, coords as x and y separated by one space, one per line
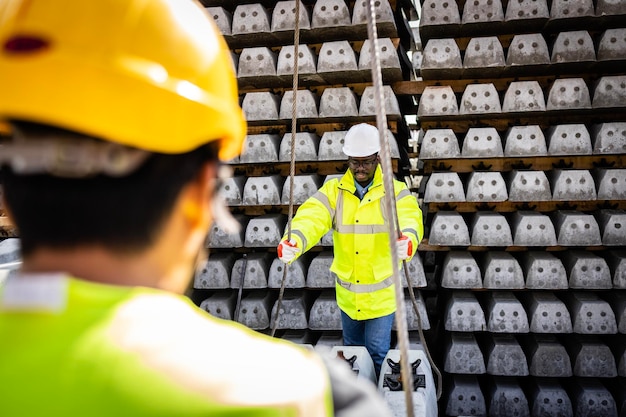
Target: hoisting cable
390 207
292 165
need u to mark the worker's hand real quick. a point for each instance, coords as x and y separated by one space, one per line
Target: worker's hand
287 250
405 247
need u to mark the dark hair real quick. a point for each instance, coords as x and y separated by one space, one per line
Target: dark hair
122 214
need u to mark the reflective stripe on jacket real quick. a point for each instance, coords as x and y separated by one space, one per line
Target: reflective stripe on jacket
362 257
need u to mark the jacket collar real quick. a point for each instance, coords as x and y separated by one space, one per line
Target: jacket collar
347 181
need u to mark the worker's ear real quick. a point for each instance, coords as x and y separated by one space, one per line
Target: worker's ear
197 195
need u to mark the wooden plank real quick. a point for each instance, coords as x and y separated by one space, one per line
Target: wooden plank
540 163
424 246
539 206
301 168
317 126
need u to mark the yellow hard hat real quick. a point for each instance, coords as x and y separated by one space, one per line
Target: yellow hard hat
152 74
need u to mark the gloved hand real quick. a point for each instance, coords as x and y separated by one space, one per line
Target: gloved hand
287 250
405 247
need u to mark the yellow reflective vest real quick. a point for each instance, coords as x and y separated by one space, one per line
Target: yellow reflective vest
362 262
75 348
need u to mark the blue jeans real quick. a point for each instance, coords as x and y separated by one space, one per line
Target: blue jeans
374 334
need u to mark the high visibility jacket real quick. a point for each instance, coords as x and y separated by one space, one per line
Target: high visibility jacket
69 347
362 261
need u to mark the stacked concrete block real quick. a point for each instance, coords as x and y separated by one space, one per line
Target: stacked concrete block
532 229
616 259
293 312
547 357
568 94
255 310
464 313
215 273
294 277
330 13
442 55
590 314
586 270
221 305
611 184
261 106
591 398
591 358
223 19
440 144
307 61
573 184
569 139
260 148
611 224
338 102
416 314
482 142
525 141
304 186
257 62
543 270
250 19
610 91
505 313
609 138
306 105
528 49
222 237
461 271
465 397
232 190
463 355
330 147
574 228
486 187
438 101
484 55
573 46
501 270
325 314
367 105
449 229
505 356
507 398
549 398
284 16
444 187
319 275
263 190
547 313
490 229
305 146
251 272
612 45
523 96
264 230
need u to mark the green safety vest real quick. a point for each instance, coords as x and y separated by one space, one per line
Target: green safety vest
362 261
69 347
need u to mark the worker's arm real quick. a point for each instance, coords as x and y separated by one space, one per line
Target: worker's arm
409 215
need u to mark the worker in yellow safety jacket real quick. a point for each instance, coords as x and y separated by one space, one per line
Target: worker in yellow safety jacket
115 115
353 208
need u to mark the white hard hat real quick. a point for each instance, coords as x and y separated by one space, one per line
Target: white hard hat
361 140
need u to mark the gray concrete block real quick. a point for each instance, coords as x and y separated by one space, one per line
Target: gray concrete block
501 270
443 187
529 186
250 18
572 184
586 270
387 54
306 105
610 7
415 269
223 19
330 147
412 320
484 52
255 310
253 269
618 304
330 13
544 271
480 99
439 143
463 355
336 56
394 151
490 229
547 313
319 275
284 16
325 314
609 138
293 312
465 398
547 357
464 313
486 187
505 313
617 263
507 399
10 250
359 360
441 54
527 9
575 228
306 146
327 239
610 91
532 229
612 45
523 96
482 142
574 46
482 11
215 274
505 356
265 230
255 62
591 398
260 105
460 270
328 340
416 62
568 9
435 13
622 363
307 60
304 186
232 189
260 148
295 276
611 184
590 314
569 139
591 358
525 141
437 101
221 305
367 106
549 398
219 237
568 94
382 11
338 102
263 190
611 223
449 229
528 49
